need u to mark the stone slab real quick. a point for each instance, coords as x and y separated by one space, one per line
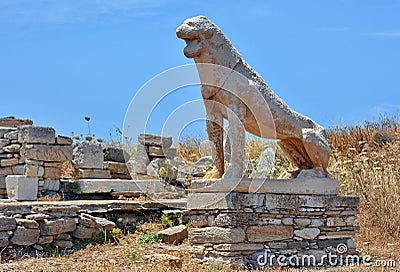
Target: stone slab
302 186
96 186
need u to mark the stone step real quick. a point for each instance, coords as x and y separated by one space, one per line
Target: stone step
298 186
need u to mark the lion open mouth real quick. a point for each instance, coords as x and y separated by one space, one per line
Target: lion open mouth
192 39
193 47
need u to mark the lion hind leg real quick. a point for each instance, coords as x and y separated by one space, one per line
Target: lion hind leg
296 153
317 147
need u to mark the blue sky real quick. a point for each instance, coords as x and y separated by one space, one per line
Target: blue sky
335 61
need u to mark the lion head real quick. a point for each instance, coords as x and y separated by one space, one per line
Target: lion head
195 31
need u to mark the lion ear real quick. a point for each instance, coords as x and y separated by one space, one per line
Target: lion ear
208 34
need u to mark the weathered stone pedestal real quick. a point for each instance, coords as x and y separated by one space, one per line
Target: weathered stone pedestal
259 223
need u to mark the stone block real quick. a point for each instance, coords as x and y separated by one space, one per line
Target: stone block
115 154
31 171
52 173
3 239
6 156
36 135
335 222
339 235
269 233
141 161
3 143
19 170
307 233
94 173
116 167
21 187
7 223
198 220
83 232
174 235
302 221
88 155
30 224
4 130
57 226
9 162
287 221
155 140
50 153
12 135
5 171
51 184
211 201
160 152
25 237
62 236
63 140
96 222
13 148
216 235
45 240
2 182
11 122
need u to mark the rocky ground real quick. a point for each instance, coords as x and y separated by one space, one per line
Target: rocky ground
140 251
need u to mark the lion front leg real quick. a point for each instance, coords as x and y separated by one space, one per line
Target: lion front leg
236 118
214 124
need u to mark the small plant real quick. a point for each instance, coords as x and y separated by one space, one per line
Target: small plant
166 221
50 251
107 236
150 238
134 254
75 187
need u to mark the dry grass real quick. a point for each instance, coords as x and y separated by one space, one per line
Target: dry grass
366 161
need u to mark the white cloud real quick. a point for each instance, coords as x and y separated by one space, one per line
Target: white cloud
394 34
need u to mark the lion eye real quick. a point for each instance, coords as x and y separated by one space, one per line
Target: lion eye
190 24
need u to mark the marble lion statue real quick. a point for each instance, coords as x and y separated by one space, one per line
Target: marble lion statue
237 100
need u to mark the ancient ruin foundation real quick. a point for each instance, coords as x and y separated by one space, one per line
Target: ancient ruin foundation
258 222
